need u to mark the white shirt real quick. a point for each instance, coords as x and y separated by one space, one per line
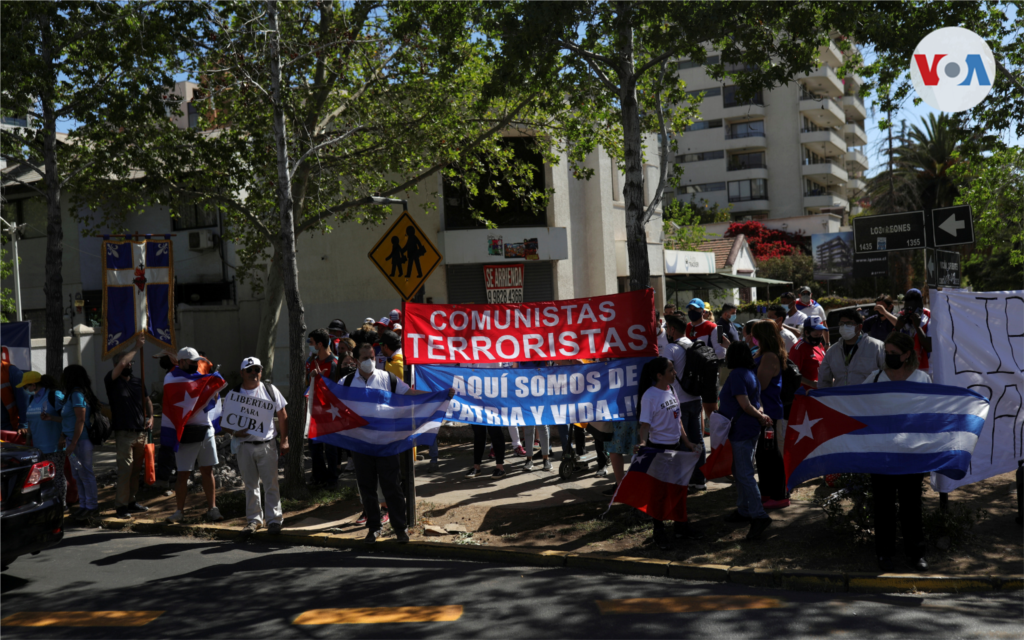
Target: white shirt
660 409
279 403
789 340
662 342
676 352
379 380
796 320
917 376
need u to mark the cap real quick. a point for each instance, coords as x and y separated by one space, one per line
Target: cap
188 353
384 322
696 302
788 294
396 327
367 320
251 362
913 292
395 315
29 377
814 324
337 325
804 288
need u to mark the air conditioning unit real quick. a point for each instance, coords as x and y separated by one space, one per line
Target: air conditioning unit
201 240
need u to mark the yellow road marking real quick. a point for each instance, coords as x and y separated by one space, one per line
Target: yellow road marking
80 618
687 604
381 615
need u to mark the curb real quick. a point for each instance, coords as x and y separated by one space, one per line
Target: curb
789 579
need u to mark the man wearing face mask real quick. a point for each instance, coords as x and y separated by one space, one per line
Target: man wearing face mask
810 307
809 352
131 417
701 328
882 322
322 362
382 470
338 332
850 360
914 322
777 314
794 318
725 326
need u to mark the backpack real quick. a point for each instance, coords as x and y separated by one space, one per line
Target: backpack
391 377
266 388
99 427
790 383
701 370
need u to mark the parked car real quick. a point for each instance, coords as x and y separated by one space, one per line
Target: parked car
31 514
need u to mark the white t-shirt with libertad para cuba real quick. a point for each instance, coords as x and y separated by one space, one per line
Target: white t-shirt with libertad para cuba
260 393
660 409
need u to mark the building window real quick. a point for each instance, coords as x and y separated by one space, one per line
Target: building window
745 295
741 161
193 117
700 157
730 97
708 93
705 124
692 64
754 129
30 212
704 188
744 190
191 215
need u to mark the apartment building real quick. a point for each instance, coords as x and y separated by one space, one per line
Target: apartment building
793 151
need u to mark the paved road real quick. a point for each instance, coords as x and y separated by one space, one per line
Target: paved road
199 588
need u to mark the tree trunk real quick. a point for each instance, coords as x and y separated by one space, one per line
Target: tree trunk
53 288
270 315
294 481
633 189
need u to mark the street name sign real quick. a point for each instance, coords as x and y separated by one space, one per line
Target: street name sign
889 232
944 268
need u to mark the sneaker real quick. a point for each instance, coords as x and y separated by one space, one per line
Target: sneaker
918 565
473 472
736 518
84 515
213 515
528 465
757 527
498 473
124 514
371 537
547 465
135 507
519 452
274 528
402 536
174 517
775 504
250 528
693 488
601 471
384 517
361 520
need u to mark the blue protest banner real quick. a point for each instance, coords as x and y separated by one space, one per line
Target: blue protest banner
595 392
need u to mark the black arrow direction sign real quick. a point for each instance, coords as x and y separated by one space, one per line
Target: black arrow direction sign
952 226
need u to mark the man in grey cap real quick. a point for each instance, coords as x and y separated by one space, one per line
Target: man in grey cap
254 429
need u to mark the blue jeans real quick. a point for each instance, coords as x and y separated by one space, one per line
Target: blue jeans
433 449
748 497
689 413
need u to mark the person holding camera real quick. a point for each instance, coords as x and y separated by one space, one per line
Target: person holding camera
914 322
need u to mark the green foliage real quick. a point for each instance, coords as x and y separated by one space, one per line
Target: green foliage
855 489
798 269
682 223
7 306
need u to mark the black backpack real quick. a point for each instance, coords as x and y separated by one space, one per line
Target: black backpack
391 377
266 387
701 370
99 426
790 383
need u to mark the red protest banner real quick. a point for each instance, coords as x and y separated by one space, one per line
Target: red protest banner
615 326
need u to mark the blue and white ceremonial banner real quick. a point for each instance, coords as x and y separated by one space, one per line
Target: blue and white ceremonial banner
886 427
16 338
138 292
978 344
377 423
595 392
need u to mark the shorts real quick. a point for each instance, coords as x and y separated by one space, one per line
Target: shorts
624 438
205 452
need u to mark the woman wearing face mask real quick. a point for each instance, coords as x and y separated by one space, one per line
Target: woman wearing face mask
809 352
771 473
43 423
900 365
853 357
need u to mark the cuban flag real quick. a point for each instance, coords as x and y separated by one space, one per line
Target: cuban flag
886 427
657 483
138 292
185 394
373 422
719 461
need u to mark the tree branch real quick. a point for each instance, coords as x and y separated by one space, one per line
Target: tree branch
662 147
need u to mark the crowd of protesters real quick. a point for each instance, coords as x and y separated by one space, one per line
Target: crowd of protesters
750 376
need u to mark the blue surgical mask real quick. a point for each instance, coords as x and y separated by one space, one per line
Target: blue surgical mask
785 306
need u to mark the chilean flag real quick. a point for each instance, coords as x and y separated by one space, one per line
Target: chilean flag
886 428
370 421
656 483
184 395
719 462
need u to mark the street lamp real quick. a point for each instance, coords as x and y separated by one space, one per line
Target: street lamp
15 230
381 200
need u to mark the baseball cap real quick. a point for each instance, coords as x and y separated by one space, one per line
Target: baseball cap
396 327
250 362
395 315
29 377
367 320
913 292
803 289
188 353
814 324
337 325
384 322
696 302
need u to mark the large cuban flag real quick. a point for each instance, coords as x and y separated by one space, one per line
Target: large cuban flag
185 395
377 423
138 292
887 428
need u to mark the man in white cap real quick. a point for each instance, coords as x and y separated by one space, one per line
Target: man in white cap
368 321
196 444
257 449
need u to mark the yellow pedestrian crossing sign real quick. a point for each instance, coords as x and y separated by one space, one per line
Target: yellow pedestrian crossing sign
405 256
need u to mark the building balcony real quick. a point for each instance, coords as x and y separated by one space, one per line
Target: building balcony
856 161
830 172
817 201
822 81
830 54
855 185
853 82
747 173
744 142
854 134
853 106
822 112
825 143
743 206
742 112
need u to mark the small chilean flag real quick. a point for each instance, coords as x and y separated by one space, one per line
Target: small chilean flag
719 462
656 483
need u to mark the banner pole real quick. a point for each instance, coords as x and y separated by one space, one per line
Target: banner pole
409 458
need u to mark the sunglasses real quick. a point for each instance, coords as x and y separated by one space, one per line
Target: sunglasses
254 369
